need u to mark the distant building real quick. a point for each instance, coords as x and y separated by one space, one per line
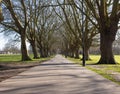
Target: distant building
5 52
8 52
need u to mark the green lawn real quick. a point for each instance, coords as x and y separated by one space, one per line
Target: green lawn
17 59
7 58
108 71
95 59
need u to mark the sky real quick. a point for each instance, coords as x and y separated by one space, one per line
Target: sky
3 41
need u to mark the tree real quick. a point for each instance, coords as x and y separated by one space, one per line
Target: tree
34 8
107 14
34 20
71 25
72 17
1 15
20 22
46 24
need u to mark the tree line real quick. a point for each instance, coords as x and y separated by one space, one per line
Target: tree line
52 24
32 23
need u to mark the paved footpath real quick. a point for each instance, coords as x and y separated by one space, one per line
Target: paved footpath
58 76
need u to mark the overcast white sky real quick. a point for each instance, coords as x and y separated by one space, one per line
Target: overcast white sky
3 41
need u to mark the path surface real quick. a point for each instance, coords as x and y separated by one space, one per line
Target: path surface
58 76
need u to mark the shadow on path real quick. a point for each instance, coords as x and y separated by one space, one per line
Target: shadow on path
58 76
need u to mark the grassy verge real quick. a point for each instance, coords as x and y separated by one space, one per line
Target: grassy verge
11 58
7 59
110 72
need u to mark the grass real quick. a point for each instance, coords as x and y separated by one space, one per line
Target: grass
10 58
106 71
17 59
94 60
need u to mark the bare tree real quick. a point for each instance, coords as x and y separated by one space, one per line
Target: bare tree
1 15
20 22
45 27
107 14
72 17
34 11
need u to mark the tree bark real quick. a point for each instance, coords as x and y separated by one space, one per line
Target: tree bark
77 53
34 49
87 54
1 14
41 53
24 52
107 37
45 52
106 41
72 54
65 52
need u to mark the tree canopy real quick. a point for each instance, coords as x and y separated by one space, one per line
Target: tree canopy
40 21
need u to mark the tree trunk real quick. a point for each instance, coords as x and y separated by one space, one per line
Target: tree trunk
48 51
1 14
24 52
72 54
87 53
65 52
45 52
106 40
107 37
77 53
34 49
41 53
